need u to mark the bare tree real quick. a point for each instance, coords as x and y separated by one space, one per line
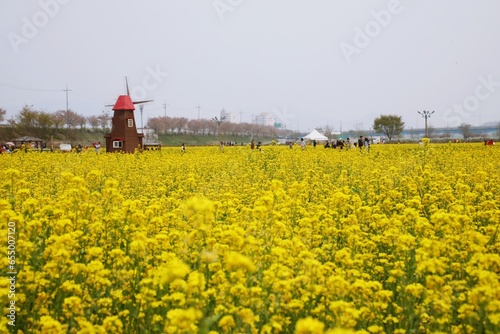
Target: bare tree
161 125
181 124
212 127
104 119
170 124
206 126
194 126
68 117
237 129
465 130
225 128
155 124
327 131
81 121
430 131
247 129
94 122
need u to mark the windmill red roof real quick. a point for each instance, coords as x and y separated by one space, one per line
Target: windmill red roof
124 102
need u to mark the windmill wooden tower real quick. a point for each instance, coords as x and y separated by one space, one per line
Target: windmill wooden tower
124 136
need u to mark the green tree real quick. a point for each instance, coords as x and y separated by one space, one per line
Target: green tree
390 125
34 123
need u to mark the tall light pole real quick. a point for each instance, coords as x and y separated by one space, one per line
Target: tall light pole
426 114
219 121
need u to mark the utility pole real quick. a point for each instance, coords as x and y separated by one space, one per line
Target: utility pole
198 107
67 90
426 114
165 108
141 107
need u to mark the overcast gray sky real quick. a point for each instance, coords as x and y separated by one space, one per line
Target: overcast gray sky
311 63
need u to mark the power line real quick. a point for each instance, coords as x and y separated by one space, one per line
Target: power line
27 88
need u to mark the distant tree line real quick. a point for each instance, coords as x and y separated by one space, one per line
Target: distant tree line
42 124
207 127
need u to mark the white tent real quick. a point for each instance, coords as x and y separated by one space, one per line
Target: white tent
315 135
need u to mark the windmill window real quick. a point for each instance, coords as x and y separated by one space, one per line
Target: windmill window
130 122
117 144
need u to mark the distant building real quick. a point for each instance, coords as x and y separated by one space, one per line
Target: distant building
229 116
265 119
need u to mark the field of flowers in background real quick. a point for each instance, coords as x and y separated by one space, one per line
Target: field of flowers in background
403 239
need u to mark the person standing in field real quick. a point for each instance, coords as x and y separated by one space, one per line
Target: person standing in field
360 142
252 144
97 147
302 144
367 144
183 148
340 144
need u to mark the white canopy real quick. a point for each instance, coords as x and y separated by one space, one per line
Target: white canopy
315 135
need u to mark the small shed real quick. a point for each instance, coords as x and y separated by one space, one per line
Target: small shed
150 140
29 142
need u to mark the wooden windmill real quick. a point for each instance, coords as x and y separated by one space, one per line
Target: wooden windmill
124 136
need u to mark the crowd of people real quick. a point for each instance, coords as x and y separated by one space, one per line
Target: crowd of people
340 144
361 143
6 148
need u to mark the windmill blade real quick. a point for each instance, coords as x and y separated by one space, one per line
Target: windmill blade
126 83
145 101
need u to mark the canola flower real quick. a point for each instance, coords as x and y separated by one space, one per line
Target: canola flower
401 239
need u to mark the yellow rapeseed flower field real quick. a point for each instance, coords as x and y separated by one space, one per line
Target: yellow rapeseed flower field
401 239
